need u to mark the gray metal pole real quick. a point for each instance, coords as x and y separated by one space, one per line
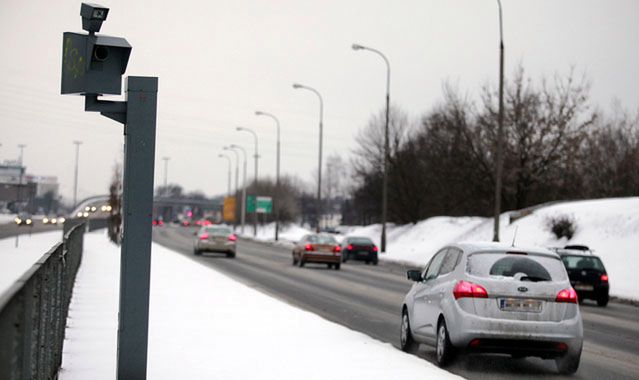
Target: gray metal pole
21 147
75 177
277 174
135 259
228 172
243 215
166 171
237 170
386 144
256 155
500 130
319 168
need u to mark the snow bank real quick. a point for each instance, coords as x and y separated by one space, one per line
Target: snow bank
203 325
288 232
609 226
15 261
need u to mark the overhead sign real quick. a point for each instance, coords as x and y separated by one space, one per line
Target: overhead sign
264 204
229 209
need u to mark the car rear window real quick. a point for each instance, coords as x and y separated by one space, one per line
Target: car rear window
581 262
521 267
360 241
218 231
322 239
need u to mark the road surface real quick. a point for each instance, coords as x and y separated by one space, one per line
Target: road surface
369 298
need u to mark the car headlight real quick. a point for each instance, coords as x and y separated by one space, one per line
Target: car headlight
18 220
80 215
61 220
28 221
46 220
85 214
54 221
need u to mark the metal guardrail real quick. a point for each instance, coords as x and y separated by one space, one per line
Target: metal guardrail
33 312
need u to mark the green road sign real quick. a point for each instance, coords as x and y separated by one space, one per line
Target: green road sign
264 204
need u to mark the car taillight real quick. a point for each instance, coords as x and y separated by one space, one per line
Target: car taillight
375 248
232 238
350 247
337 249
204 236
468 289
604 278
567 296
308 248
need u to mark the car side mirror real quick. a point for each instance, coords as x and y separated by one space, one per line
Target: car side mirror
414 275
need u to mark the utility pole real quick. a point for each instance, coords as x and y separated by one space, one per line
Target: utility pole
21 158
500 130
75 175
166 171
256 156
319 166
243 212
237 170
277 174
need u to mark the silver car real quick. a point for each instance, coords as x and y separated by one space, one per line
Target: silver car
493 298
215 238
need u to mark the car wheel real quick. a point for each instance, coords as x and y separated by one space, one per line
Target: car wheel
406 342
345 257
329 266
301 262
368 262
336 266
294 259
568 364
444 351
197 252
375 261
602 301
230 254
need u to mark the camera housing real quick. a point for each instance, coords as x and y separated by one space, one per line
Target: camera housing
92 16
93 65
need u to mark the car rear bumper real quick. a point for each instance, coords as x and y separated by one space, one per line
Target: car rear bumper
360 255
526 338
321 257
216 247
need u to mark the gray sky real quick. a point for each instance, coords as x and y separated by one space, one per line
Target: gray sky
219 61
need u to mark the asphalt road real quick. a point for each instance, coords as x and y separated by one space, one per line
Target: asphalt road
12 229
368 299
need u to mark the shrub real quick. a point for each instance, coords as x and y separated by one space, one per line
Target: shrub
562 226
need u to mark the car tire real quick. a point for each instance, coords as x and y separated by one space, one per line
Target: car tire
602 301
568 364
294 259
345 257
406 341
197 252
230 254
375 261
301 262
329 266
336 266
444 350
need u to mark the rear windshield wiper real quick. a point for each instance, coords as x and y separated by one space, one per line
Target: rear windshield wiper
533 278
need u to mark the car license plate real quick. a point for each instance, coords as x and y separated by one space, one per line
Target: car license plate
583 287
518 304
363 253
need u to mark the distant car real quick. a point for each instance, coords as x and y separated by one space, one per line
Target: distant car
359 248
318 248
159 221
24 219
215 238
587 274
494 298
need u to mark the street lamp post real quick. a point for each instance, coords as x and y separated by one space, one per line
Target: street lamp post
386 148
166 170
243 214
237 169
277 173
319 167
229 171
256 156
75 176
21 147
500 129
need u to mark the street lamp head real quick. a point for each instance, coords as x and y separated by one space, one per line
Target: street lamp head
357 47
258 113
233 146
297 85
221 155
239 128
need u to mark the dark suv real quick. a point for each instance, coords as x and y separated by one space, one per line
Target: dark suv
587 273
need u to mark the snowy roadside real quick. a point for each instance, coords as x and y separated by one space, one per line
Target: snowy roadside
609 226
14 262
205 325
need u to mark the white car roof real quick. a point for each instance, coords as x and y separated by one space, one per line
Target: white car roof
483 246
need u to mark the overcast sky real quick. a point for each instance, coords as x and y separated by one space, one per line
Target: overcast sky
219 61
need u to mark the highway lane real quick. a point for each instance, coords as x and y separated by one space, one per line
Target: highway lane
368 299
12 229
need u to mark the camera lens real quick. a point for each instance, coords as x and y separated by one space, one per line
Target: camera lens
101 53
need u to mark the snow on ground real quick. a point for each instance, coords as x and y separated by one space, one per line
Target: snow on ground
6 218
287 233
14 262
204 325
609 226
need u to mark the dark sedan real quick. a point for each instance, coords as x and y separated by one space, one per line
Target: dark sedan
359 248
587 274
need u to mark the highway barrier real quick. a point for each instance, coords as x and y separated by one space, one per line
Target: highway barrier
33 312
